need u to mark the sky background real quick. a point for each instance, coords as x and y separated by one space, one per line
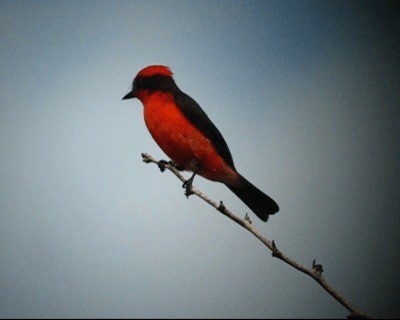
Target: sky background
307 96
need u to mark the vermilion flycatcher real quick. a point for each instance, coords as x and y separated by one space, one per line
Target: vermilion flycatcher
186 134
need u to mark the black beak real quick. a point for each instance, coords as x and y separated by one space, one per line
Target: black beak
130 95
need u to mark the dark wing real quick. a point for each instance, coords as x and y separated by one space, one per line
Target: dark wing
201 121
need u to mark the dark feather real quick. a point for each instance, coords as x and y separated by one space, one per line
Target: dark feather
261 204
195 114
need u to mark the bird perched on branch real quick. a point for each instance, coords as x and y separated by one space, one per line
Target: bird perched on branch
187 135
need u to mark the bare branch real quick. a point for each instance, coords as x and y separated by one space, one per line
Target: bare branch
315 271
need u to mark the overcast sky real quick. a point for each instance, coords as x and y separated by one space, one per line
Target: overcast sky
307 96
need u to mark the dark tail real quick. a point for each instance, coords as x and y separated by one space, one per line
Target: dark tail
261 204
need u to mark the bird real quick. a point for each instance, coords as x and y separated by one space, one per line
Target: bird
190 139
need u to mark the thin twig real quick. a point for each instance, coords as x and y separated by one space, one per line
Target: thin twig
315 272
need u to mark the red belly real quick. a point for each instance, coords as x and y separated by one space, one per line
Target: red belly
182 141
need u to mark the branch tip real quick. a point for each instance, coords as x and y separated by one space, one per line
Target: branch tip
146 158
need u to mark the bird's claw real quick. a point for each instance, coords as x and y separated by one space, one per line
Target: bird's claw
162 163
188 187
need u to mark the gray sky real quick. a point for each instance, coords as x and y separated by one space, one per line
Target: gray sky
307 96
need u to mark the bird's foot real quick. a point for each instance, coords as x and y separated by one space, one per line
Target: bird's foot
188 183
188 186
162 163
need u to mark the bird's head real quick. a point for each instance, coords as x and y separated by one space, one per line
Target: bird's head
150 79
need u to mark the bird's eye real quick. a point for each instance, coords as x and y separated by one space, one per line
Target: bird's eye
138 82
